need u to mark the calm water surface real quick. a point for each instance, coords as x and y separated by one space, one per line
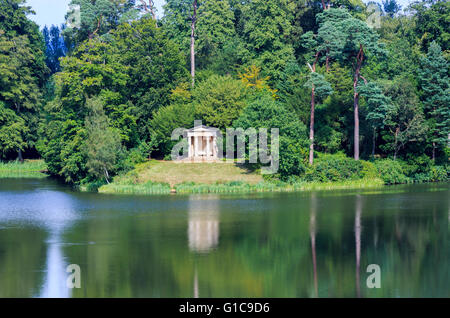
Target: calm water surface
260 245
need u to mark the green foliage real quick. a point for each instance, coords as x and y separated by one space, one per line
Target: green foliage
124 85
165 121
321 87
338 167
267 30
264 112
54 47
434 80
215 29
432 22
404 125
98 17
391 171
22 75
378 105
12 132
219 100
102 147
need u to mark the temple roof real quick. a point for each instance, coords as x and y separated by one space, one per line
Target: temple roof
203 128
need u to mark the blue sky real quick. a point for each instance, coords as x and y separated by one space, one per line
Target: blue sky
50 12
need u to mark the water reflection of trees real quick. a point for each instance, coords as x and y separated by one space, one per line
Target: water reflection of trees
288 246
312 249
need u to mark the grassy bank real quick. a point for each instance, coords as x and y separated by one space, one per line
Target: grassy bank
27 169
159 177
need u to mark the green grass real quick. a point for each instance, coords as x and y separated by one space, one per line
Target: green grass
175 173
159 177
145 188
27 169
242 187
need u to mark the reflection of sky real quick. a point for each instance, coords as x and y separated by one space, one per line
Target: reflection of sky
55 277
52 210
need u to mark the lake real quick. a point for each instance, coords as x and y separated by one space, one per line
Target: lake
307 244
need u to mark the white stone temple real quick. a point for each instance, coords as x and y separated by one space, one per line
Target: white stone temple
202 142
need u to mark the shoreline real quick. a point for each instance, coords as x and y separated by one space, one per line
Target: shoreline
131 183
237 187
28 169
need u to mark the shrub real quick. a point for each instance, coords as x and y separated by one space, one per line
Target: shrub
391 171
165 120
439 173
338 167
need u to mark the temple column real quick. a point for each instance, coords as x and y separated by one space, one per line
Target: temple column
190 147
208 147
214 150
195 146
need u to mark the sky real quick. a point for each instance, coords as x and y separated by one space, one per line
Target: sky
50 12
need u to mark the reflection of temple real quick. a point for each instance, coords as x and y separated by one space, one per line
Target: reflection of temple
203 230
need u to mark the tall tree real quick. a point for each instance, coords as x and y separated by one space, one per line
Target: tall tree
329 43
149 8
97 18
320 88
13 132
215 31
55 47
378 106
102 145
361 42
267 32
22 66
193 22
405 124
391 7
432 22
434 82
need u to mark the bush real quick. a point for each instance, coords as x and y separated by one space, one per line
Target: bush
438 173
165 120
391 171
338 167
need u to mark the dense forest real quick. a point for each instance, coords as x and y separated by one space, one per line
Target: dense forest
355 89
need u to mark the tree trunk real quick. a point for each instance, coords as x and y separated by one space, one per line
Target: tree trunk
356 118
311 127
194 18
359 61
150 7
106 175
19 155
152 10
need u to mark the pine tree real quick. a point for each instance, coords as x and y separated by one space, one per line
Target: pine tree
434 81
378 106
